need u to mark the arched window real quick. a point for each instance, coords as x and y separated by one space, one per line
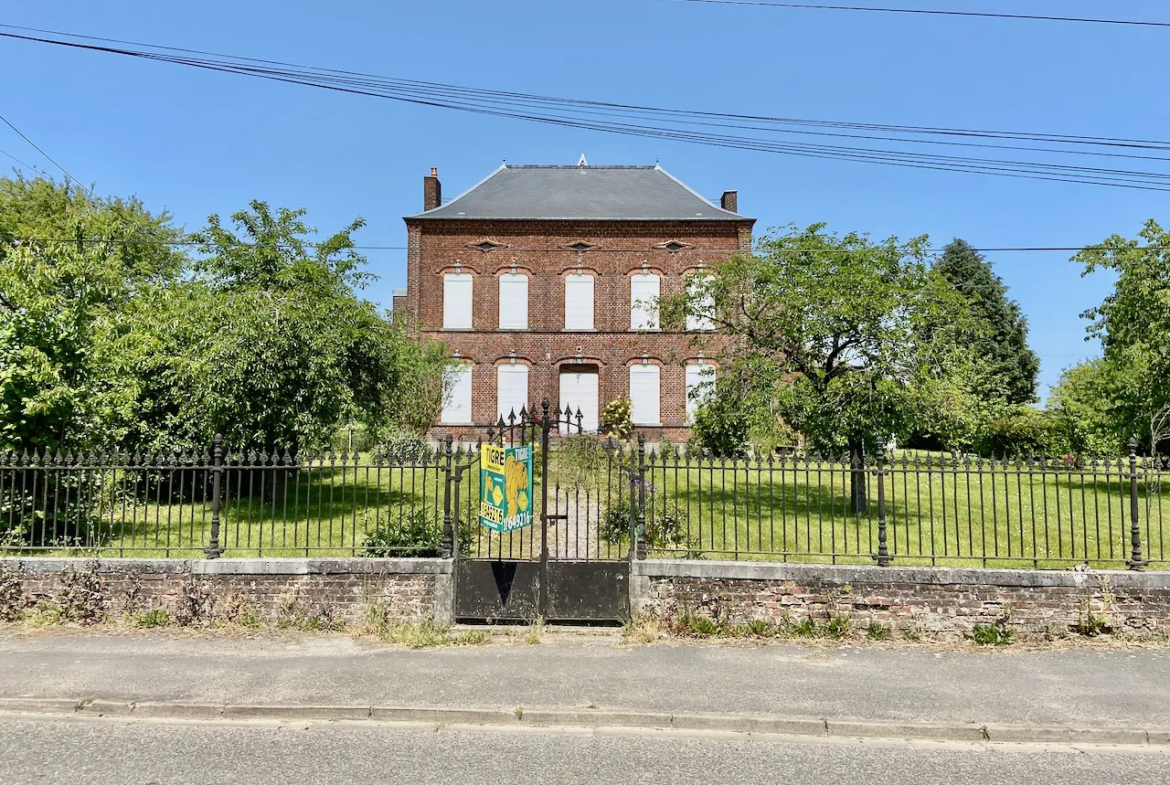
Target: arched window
457 401
511 389
646 394
457 289
645 289
513 301
579 301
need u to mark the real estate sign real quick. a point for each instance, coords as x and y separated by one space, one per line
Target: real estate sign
505 488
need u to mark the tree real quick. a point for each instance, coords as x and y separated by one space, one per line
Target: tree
831 328
1133 325
71 265
268 342
1008 366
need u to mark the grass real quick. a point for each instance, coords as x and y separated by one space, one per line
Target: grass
956 514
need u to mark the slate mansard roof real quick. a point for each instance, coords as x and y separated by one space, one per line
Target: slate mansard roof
582 192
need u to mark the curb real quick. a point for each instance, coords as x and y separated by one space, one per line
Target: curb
593 719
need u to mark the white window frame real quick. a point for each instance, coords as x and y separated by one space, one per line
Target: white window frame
698 322
580 324
457 308
505 407
513 304
590 411
705 373
643 305
458 395
646 412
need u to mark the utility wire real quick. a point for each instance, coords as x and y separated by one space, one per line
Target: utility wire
37 147
932 12
628 120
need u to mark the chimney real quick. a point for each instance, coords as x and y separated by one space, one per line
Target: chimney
432 191
730 201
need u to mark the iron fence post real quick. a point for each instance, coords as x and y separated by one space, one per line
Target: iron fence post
882 557
1135 561
448 544
639 538
214 551
545 425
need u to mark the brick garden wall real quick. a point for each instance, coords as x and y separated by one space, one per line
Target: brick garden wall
270 590
933 601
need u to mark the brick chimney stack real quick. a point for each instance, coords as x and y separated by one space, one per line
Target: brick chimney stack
730 201
432 190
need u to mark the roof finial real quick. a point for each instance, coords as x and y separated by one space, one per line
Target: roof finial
582 161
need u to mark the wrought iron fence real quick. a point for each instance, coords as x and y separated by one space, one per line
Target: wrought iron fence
910 509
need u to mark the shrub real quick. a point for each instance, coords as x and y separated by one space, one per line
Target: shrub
668 451
579 461
405 448
665 529
416 534
1023 431
838 627
157 617
876 631
721 427
616 416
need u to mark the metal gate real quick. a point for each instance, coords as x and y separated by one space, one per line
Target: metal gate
573 565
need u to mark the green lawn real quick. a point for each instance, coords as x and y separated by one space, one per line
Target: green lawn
954 514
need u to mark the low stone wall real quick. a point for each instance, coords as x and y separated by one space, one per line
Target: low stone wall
271 591
928 601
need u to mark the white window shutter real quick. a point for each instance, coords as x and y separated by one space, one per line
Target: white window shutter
578 302
644 292
700 377
513 301
457 289
457 404
511 390
645 394
579 391
698 317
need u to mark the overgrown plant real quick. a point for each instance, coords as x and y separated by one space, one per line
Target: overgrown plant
12 597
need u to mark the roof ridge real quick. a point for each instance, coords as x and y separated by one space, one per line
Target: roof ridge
577 166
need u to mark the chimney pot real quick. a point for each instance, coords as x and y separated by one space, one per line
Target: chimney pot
434 171
730 201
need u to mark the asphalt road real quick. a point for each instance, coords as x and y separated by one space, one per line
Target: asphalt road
69 751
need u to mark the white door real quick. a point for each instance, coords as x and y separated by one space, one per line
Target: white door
579 391
645 395
511 391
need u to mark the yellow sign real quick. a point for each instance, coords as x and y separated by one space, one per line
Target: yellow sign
505 488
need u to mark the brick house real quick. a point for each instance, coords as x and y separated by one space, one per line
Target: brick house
541 280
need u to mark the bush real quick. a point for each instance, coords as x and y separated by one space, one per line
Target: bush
579 461
417 534
722 427
1023 431
992 634
616 416
665 529
405 448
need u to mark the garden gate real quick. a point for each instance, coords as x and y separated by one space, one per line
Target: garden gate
566 566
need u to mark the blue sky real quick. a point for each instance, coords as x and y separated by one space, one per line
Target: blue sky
195 142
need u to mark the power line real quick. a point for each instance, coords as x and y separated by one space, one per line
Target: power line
932 12
627 119
557 249
37 147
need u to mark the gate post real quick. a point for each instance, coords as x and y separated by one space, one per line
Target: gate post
638 535
882 557
449 541
542 597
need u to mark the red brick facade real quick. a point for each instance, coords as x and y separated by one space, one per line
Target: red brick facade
542 250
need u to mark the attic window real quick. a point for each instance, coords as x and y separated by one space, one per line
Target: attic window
674 245
488 245
580 246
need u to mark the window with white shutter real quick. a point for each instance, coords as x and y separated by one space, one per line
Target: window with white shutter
700 383
644 293
513 301
457 301
579 392
511 390
645 394
698 314
579 302
457 403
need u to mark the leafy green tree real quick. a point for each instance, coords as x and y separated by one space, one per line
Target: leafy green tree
831 328
1008 368
1133 325
71 265
268 342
